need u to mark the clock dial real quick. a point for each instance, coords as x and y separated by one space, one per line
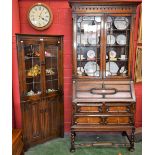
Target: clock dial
40 16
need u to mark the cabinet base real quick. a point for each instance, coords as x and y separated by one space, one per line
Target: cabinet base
129 133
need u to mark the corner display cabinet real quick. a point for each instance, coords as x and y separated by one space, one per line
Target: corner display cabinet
103 92
41 87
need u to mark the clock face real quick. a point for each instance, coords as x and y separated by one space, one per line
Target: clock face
40 16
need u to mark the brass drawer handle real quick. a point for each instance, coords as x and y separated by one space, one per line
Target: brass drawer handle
103 91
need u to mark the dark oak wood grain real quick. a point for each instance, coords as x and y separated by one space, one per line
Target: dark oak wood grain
102 103
42 114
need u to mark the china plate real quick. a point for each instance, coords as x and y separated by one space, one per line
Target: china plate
112 67
123 70
110 39
91 54
108 22
92 39
121 39
112 54
121 23
90 68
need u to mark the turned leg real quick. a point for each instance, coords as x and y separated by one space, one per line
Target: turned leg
124 133
132 140
72 149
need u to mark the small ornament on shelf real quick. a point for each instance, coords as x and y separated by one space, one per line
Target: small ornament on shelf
34 71
47 54
32 93
51 90
50 71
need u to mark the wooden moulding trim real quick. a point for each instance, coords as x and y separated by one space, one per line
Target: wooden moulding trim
99 128
103 9
105 1
103 100
103 115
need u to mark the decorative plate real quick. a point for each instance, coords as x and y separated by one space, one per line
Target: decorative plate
121 39
108 22
92 39
112 54
110 39
90 68
121 23
112 67
123 70
91 54
98 19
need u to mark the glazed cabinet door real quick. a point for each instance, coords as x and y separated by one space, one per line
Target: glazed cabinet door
30 69
87 47
103 45
118 34
52 59
32 121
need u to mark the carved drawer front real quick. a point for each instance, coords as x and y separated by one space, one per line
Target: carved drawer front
89 107
88 120
119 120
118 108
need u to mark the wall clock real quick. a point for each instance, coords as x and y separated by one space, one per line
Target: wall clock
40 16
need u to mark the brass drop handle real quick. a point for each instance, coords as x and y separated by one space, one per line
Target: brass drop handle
103 91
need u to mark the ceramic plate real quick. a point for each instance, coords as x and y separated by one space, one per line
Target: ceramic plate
108 22
98 19
110 39
112 54
90 68
112 67
121 39
121 23
91 54
92 39
123 70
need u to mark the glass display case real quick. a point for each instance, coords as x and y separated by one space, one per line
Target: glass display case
40 70
102 46
41 87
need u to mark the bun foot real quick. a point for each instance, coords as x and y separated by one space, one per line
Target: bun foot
123 133
131 149
72 150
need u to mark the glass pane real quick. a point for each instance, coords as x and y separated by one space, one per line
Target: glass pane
117 48
51 61
88 45
32 69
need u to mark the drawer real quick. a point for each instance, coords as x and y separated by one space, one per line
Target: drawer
105 120
88 120
89 107
119 108
114 120
105 107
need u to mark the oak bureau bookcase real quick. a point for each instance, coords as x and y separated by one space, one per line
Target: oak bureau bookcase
103 91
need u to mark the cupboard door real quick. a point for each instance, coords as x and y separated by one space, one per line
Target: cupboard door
31 67
32 123
46 119
118 33
87 57
51 53
55 125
